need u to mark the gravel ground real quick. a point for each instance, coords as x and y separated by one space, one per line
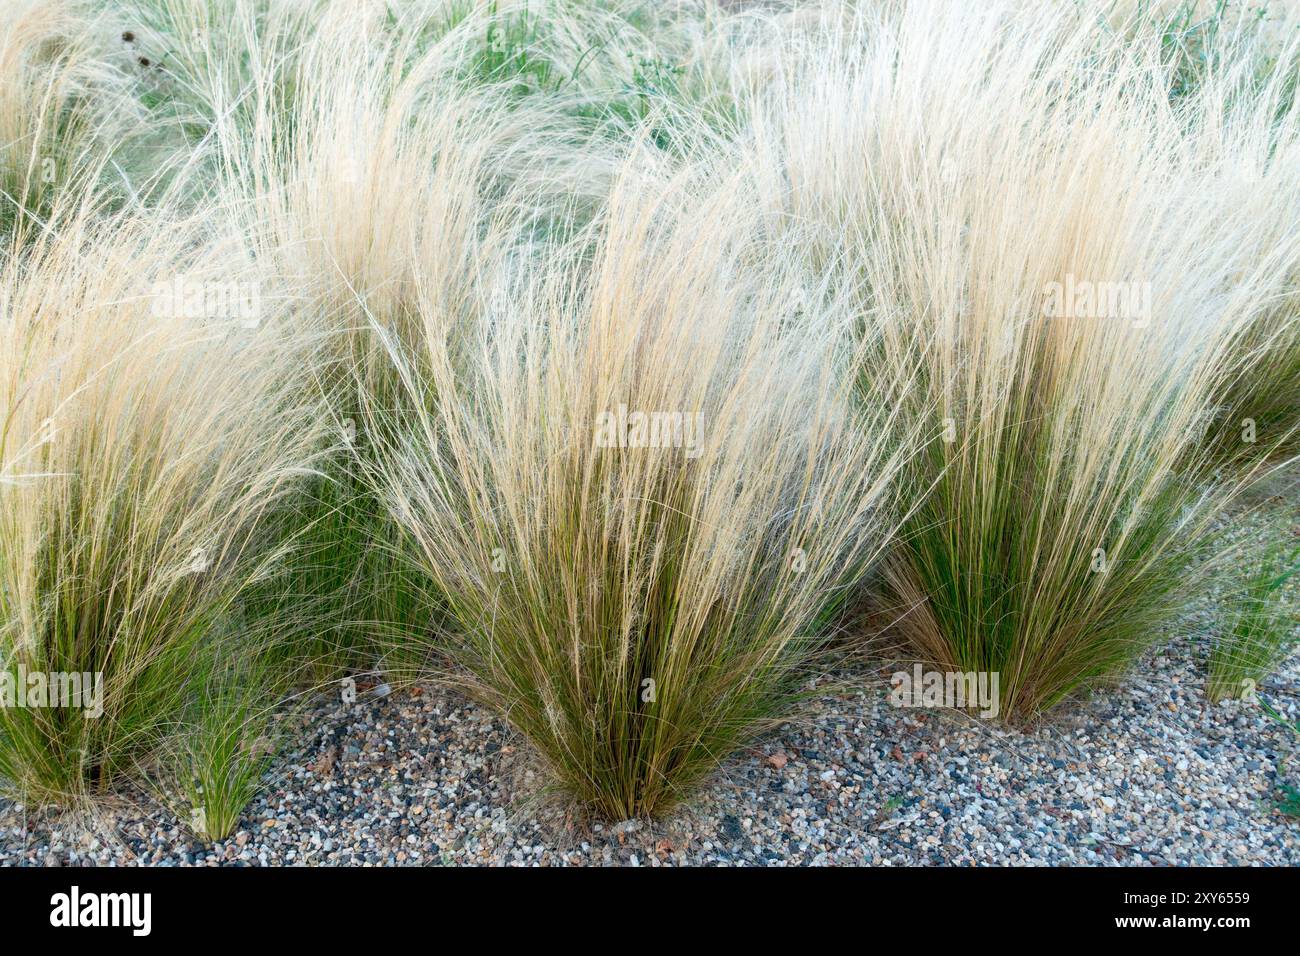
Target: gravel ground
1149 774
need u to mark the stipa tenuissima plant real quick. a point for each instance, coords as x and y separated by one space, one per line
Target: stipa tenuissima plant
1073 250
147 437
632 474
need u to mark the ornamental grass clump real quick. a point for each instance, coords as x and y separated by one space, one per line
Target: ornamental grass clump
1076 259
153 424
633 474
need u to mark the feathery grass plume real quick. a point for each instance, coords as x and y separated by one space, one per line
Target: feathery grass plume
1249 57
632 472
152 421
385 181
392 159
1059 233
1263 625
